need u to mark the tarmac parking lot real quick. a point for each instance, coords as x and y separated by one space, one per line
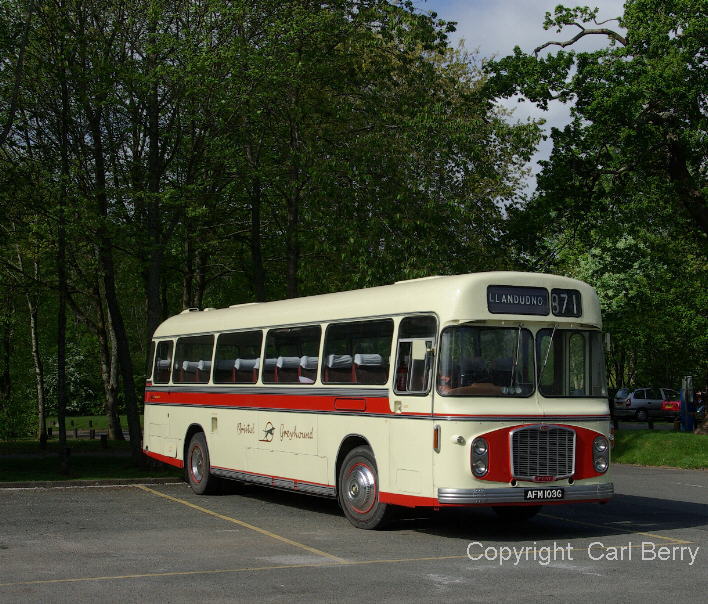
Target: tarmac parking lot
163 543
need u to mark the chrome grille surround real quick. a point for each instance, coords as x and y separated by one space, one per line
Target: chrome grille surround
542 450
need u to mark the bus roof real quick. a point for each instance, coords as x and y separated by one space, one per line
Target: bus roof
453 298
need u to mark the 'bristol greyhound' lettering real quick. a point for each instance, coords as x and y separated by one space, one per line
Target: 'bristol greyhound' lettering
293 432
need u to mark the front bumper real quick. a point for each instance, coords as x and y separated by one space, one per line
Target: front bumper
583 492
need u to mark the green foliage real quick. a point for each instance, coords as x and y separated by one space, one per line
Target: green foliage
621 201
18 418
226 151
82 386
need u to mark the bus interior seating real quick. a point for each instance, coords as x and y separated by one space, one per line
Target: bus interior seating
188 371
370 369
287 370
203 371
308 369
225 370
339 368
163 370
246 370
269 369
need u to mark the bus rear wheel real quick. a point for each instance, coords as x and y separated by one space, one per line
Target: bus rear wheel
197 466
359 490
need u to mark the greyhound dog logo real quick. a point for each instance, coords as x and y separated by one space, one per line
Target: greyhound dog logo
267 433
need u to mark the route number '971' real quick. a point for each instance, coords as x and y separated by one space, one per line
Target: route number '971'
566 303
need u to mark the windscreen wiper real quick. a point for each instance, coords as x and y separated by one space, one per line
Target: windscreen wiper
548 350
515 361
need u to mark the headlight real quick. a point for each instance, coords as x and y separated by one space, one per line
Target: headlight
601 464
479 446
601 454
479 453
600 444
479 468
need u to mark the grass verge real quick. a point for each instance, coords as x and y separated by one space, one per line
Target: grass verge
658 448
86 422
23 461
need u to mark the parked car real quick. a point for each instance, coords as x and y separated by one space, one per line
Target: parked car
644 403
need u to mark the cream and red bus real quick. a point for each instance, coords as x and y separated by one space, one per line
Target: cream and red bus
484 389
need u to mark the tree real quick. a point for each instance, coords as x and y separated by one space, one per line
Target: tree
638 107
621 201
214 152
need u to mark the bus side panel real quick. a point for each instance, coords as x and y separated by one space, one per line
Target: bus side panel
157 436
336 429
411 458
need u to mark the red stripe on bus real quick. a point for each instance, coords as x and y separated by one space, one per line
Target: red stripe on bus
290 402
408 501
165 459
525 415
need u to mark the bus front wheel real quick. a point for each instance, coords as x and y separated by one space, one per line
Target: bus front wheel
197 465
359 490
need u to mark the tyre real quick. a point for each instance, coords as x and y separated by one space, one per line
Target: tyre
197 466
517 513
642 415
358 491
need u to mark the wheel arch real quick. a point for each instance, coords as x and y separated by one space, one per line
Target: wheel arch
349 443
191 431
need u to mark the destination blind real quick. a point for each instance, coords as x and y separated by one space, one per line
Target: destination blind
514 300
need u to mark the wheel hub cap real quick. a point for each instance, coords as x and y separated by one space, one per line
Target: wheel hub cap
361 489
197 464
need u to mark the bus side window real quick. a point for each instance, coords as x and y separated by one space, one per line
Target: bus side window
163 362
237 357
285 350
357 352
193 359
414 359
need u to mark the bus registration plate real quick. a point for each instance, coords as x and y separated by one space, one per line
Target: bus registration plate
543 494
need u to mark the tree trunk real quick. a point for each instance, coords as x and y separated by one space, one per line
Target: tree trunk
293 245
61 255
105 257
689 193
257 267
200 280
108 354
5 358
188 276
38 365
153 233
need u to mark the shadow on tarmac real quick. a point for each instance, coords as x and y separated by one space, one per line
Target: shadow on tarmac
624 514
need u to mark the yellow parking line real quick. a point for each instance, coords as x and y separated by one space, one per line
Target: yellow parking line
170 574
619 530
230 570
256 568
243 524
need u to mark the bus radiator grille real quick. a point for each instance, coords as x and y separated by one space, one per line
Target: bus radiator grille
542 451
